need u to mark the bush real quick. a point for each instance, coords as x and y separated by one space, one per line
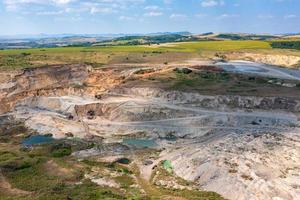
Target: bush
61 152
183 70
25 54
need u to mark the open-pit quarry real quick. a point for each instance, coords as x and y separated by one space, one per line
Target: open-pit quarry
238 137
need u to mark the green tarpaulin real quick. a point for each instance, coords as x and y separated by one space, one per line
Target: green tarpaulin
168 166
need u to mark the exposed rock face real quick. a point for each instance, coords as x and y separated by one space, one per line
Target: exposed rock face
243 166
41 81
55 81
218 102
281 60
154 113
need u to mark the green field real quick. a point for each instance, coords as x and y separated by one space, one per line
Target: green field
98 56
174 47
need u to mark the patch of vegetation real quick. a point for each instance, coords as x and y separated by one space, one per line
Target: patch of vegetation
125 181
61 150
31 171
286 45
214 82
196 80
183 70
11 131
15 61
12 161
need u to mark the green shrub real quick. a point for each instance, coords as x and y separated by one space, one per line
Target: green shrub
61 152
183 70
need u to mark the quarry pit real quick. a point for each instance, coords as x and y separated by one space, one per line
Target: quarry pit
222 141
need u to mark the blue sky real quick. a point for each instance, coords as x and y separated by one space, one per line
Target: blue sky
145 16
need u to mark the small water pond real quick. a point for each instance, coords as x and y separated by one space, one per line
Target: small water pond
140 143
124 161
37 140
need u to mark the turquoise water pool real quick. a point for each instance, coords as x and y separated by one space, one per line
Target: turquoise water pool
140 143
37 140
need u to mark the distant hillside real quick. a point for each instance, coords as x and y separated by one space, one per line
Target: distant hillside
245 37
44 40
6 43
235 36
63 40
147 40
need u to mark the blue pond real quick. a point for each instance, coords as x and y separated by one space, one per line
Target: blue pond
37 140
140 143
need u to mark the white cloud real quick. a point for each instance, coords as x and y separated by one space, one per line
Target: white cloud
152 8
95 10
290 16
91 6
267 16
178 16
47 13
200 15
62 1
212 3
153 14
226 16
125 18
